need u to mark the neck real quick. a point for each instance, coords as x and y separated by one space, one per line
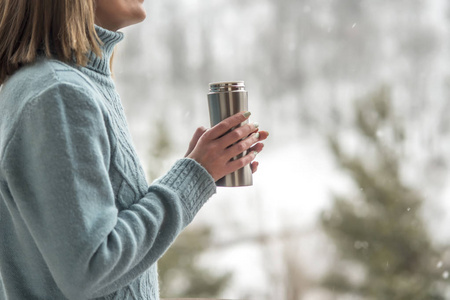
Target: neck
109 40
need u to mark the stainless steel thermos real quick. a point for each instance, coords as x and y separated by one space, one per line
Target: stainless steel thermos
224 100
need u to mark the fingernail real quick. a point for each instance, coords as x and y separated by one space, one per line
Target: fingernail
247 114
257 135
256 124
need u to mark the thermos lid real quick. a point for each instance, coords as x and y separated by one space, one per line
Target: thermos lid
226 86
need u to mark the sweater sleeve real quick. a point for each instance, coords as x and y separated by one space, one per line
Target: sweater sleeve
57 171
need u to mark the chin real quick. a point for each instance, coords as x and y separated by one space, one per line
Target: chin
140 16
143 15
137 18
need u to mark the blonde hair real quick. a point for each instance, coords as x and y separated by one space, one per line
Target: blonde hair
63 29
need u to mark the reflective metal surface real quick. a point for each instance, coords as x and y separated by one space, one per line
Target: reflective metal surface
224 100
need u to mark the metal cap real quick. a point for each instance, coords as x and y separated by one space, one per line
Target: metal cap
226 86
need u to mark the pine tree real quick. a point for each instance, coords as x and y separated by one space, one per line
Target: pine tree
181 274
382 243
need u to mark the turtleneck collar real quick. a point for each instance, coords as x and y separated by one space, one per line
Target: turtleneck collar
109 40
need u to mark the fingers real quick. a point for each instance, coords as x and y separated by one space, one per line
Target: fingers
243 161
227 124
218 149
238 134
254 166
251 154
244 145
257 147
198 133
263 135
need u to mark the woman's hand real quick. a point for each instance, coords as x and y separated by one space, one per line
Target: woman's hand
214 148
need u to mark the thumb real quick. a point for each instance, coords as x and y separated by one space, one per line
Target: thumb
197 135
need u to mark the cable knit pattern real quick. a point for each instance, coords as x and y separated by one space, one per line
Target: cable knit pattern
77 217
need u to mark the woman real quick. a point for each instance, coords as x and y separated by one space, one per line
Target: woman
77 218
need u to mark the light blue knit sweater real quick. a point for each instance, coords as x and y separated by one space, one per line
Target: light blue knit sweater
77 217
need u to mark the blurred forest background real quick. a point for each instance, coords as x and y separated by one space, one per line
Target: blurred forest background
351 200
